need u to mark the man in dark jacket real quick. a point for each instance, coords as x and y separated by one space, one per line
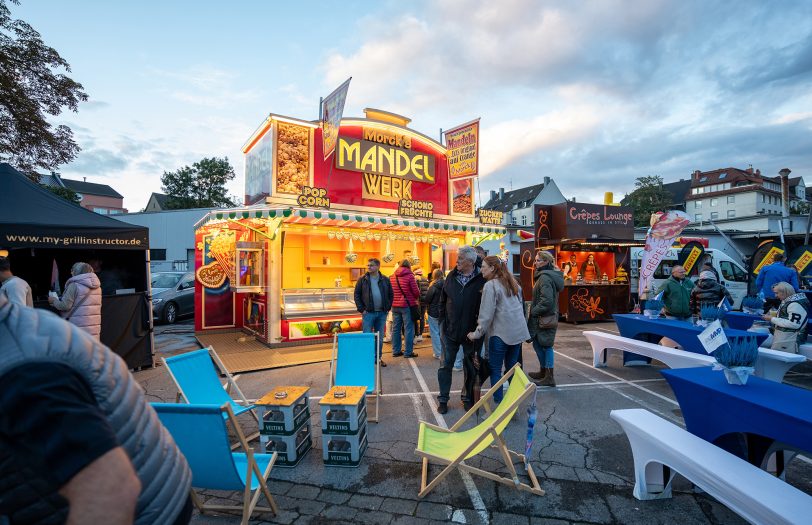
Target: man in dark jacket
373 299
676 292
423 286
460 299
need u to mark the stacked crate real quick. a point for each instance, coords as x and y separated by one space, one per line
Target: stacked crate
344 425
284 424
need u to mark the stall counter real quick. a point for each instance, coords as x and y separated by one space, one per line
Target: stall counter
593 302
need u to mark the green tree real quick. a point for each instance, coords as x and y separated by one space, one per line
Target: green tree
66 193
649 196
32 87
201 185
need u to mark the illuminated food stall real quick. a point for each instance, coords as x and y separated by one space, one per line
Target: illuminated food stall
590 243
284 267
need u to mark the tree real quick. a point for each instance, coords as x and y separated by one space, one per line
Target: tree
31 88
201 185
648 197
66 193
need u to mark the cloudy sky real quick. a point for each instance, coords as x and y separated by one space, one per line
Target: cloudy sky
592 94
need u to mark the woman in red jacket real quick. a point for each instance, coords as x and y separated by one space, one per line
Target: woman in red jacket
406 294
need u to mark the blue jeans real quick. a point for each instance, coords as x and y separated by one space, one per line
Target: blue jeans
544 353
501 357
437 342
375 322
402 319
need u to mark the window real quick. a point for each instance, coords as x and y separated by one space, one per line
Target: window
697 204
703 179
157 254
722 175
512 219
100 211
714 215
698 217
695 191
731 199
732 272
731 214
763 198
524 220
714 202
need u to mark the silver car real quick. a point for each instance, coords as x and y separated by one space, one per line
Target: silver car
173 295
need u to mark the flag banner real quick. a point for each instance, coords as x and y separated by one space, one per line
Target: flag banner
462 144
689 255
332 111
725 305
762 256
712 337
800 258
665 227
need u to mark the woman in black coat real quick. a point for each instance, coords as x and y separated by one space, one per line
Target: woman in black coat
707 292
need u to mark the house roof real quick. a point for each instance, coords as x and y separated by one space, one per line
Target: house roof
511 198
722 175
91 188
160 198
679 190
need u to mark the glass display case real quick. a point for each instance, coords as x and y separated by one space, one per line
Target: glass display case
311 302
248 263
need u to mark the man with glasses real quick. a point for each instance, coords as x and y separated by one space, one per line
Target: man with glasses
373 299
677 294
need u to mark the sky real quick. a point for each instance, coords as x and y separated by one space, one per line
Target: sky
593 94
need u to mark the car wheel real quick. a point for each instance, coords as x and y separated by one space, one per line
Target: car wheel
170 313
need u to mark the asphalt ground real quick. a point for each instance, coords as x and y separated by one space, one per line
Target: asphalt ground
581 457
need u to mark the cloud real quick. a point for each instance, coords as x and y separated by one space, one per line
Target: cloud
206 86
101 162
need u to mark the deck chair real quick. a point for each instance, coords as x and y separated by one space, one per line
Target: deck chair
201 435
198 383
355 363
452 447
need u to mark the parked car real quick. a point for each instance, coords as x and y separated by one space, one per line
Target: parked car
173 295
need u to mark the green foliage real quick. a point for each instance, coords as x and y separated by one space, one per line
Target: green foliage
201 185
648 197
66 193
32 87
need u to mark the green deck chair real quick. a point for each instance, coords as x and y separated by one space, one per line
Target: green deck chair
452 447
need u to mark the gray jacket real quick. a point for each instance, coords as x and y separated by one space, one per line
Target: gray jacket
29 335
501 315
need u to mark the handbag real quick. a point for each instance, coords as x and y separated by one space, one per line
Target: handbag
548 321
413 309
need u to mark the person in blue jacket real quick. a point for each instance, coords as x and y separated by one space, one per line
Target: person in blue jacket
773 274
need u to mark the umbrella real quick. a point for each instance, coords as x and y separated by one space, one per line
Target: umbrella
532 412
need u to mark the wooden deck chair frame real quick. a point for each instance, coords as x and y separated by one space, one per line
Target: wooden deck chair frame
377 391
230 385
498 443
250 498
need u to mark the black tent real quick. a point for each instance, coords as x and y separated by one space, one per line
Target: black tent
41 230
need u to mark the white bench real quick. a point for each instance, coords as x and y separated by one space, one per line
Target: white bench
671 357
659 447
806 351
771 364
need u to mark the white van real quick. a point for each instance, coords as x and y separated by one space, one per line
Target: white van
731 274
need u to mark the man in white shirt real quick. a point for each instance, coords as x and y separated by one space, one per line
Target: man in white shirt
15 289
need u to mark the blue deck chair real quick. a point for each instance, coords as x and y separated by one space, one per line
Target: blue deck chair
355 363
198 383
201 435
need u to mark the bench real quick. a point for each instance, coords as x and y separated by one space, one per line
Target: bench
660 447
806 351
771 364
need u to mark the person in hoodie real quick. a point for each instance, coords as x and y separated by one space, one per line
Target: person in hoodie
548 283
459 310
790 321
423 285
406 294
501 319
81 302
707 292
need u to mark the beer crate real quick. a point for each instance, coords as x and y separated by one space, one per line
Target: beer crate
290 448
283 410
344 450
343 410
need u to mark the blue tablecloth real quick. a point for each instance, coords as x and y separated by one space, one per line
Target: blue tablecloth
741 320
721 413
635 326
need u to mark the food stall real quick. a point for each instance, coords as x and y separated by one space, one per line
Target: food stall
284 267
590 243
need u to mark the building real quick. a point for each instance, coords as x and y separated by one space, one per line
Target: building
733 193
517 209
157 202
98 198
679 191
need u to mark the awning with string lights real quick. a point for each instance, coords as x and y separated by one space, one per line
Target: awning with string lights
345 219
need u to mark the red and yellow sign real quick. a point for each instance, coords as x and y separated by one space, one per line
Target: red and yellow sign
463 150
690 261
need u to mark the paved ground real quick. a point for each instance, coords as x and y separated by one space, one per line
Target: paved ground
582 457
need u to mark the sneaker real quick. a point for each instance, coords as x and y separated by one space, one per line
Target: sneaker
456 369
442 408
409 356
437 357
387 339
397 355
418 339
383 364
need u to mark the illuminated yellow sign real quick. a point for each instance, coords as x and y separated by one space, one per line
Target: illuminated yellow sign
768 259
690 261
380 159
419 209
383 188
803 261
490 216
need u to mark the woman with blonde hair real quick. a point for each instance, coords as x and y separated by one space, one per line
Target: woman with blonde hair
790 321
81 302
501 318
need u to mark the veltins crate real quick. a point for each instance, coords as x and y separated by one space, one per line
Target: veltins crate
290 449
344 450
345 414
283 410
